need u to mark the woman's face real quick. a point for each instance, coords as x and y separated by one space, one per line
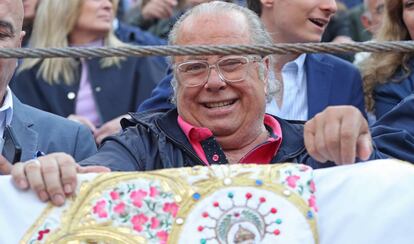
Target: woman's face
29 9
408 16
95 17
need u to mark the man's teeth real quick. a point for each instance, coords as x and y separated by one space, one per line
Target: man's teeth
318 22
218 104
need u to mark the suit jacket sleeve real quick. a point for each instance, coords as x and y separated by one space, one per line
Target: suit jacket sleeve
160 96
85 144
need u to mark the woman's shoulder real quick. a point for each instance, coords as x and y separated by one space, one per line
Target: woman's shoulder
399 83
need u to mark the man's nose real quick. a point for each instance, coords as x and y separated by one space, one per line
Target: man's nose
329 6
214 81
107 4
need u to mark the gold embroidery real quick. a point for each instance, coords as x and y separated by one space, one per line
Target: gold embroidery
77 225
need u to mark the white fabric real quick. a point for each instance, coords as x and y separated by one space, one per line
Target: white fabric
362 203
366 203
295 98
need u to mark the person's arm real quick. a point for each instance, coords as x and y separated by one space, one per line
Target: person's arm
393 133
160 97
84 144
116 153
384 102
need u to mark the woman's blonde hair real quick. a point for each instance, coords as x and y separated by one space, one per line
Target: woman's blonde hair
379 68
54 22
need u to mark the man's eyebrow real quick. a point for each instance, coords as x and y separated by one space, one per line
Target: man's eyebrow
197 58
8 26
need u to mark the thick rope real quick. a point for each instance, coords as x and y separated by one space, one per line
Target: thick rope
74 52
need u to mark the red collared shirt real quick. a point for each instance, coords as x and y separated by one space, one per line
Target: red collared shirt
262 154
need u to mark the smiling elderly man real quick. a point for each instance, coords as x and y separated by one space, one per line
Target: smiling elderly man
220 116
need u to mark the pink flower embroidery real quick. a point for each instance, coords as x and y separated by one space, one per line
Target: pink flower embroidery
119 208
114 195
99 209
153 191
138 220
154 223
42 233
137 196
312 186
171 208
162 236
291 180
312 203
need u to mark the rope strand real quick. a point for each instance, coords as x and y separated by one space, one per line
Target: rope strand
76 52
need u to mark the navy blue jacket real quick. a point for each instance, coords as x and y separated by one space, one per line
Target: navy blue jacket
330 81
393 133
388 95
117 90
153 140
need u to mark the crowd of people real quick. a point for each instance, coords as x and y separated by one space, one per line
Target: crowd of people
148 113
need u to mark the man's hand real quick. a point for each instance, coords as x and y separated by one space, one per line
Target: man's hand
5 166
109 128
158 9
338 134
52 177
83 120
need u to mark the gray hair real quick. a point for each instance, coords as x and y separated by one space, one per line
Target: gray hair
257 31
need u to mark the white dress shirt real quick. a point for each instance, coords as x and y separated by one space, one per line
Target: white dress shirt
295 98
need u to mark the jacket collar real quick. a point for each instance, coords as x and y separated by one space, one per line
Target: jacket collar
169 125
164 120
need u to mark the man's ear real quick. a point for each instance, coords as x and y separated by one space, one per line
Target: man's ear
22 34
266 69
267 63
267 3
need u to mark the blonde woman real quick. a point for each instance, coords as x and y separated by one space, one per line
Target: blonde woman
97 92
388 77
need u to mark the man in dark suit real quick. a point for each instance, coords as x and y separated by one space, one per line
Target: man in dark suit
36 131
308 83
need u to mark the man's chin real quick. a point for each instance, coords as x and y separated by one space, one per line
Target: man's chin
221 130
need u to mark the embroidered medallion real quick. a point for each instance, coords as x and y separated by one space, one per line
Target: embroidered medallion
218 204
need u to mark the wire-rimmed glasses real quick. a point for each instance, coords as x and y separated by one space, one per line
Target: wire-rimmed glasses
229 68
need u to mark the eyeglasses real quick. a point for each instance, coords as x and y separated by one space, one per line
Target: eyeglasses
229 68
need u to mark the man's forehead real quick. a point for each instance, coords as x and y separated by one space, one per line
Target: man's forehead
11 11
214 28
